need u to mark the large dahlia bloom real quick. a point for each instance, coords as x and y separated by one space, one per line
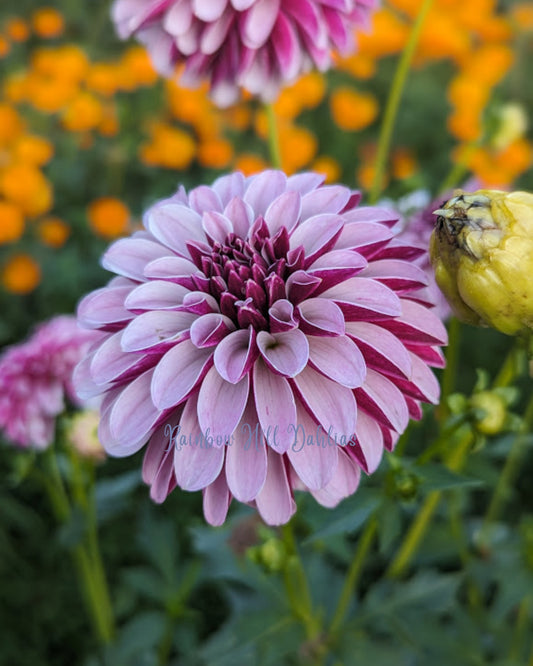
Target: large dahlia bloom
254 44
36 378
263 335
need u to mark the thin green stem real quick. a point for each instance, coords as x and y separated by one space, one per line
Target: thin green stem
450 371
273 137
393 101
514 365
423 518
354 573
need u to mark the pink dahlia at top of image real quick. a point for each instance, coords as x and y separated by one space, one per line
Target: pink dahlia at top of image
255 44
254 328
36 377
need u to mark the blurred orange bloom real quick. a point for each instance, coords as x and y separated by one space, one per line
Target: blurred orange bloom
25 186
352 110
32 149
21 274
12 222
249 163
329 167
215 153
53 231
47 22
17 29
108 217
170 147
84 113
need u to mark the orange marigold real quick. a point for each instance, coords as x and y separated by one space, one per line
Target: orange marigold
17 29
108 217
47 22
84 113
32 149
329 167
25 186
21 274
12 222
250 163
352 110
215 153
53 231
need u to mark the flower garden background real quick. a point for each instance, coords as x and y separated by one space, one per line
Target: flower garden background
431 559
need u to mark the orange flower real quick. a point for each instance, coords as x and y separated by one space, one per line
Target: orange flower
108 217
102 78
48 94
352 110
138 63
33 150
53 231
12 225
109 124
4 46
21 274
522 16
249 163
84 113
11 124
169 147
404 164
25 186
215 153
298 147
465 124
17 29
329 167
47 22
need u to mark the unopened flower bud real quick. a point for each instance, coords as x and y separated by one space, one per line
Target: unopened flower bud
82 434
482 253
492 412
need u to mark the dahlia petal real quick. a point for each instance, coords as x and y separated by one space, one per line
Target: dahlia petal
285 353
86 387
216 226
286 47
171 268
175 225
319 316
364 298
188 42
154 328
229 187
422 384
337 358
104 306
275 406
396 274
304 182
129 256
155 295
221 405
235 354
337 266
417 325
242 5
300 285
259 22
281 316
274 502
246 458
216 501
164 481
241 216
316 235
204 199
210 329
178 18
332 405
379 214
343 484
328 199
369 447
109 361
365 237
383 400
199 303
314 457
264 188
284 211
197 463
178 372
209 11
382 350
431 355
160 444
132 416
307 16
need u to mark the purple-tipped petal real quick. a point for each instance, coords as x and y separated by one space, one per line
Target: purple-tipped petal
104 307
328 199
175 225
153 328
216 226
129 256
285 353
263 189
284 212
317 235
338 358
369 443
417 325
221 405
319 316
216 502
178 372
380 397
274 502
382 350
235 354
155 295
343 484
210 329
363 298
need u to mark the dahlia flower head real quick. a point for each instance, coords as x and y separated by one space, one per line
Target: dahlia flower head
258 45
36 380
263 335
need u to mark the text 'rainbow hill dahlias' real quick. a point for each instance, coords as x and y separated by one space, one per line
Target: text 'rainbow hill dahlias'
36 377
264 335
253 44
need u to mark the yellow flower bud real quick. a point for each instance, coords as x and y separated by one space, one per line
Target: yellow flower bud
493 412
482 254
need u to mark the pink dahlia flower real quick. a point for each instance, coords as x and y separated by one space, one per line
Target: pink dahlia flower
254 44
263 335
36 377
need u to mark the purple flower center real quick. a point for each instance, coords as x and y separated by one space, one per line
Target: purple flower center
247 277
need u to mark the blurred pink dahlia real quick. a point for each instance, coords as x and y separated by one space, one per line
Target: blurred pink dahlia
263 335
254 44
36 377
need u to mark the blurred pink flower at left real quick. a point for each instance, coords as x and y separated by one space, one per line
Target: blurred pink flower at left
36 379
255 44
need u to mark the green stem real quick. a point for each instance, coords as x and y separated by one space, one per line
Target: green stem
508 474
88 579
353 575
450 371
273 137
423 518
514 366
393 101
